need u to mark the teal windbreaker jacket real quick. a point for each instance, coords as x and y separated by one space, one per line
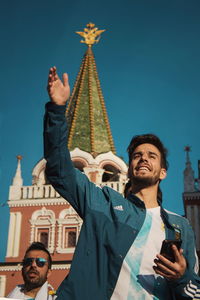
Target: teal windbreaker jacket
107 233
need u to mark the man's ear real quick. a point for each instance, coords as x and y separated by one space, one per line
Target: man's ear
163 173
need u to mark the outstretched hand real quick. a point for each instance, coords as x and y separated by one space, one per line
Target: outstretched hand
58 90
171 270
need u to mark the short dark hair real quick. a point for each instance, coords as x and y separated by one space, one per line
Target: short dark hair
39 246
148 138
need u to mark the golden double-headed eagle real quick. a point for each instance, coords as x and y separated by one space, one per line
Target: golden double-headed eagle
91 34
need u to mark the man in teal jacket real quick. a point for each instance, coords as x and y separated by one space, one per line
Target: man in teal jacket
117 255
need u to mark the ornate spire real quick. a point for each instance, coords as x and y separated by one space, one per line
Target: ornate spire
89 128
91 34
17 179
189 182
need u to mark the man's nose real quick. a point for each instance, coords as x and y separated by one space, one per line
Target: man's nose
33 264
144 157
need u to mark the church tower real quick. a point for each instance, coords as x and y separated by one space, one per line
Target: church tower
90 140
191 197
38 212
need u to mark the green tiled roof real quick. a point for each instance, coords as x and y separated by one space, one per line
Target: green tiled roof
89 128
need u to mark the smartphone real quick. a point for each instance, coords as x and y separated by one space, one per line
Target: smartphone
166 249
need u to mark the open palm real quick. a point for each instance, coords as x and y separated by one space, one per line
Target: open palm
58 90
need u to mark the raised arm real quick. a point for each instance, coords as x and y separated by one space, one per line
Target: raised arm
70 183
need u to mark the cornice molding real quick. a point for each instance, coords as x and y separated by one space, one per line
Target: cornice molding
37 202
61 267
15 268
11 268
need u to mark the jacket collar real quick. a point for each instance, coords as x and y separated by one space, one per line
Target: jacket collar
139 203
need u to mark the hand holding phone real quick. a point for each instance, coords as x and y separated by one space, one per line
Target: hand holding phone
166 249
170 264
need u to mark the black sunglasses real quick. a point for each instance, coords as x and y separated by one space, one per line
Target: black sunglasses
40 262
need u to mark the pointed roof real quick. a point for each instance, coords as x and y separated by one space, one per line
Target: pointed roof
89 128
17 179
189 182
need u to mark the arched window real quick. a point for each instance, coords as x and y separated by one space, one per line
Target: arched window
43 228
110 174
69 225
79 165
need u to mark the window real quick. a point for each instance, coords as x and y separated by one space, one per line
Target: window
79 165
43 236
70 237
110 173
43 224
69 224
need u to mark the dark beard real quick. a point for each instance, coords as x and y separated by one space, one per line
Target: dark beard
144 181
138 183
32 284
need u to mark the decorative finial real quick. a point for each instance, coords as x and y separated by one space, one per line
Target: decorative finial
187 149
91 34
19 157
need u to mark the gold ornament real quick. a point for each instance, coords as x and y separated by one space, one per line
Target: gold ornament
91 34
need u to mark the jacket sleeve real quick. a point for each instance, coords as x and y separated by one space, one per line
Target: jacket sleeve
188 286
69 182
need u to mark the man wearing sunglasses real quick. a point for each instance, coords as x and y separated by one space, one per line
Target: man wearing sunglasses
36 269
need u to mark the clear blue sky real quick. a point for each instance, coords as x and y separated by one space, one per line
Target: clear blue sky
148 61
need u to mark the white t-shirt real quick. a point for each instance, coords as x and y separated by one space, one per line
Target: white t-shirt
137 279
43 293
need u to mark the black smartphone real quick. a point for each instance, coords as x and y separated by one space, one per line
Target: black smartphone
166 249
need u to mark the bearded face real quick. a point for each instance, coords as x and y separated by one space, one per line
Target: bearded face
145 168
35 276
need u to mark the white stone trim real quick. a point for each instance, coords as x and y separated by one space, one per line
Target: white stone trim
39 166
68 218
14 234
14 192
17 233
16 268
43 212
11 268
66 212
38 223
37 202
2 285
38 173
108 156
70 249
46 195
60 267
66 250
77 153
17 180
61 240
10 235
